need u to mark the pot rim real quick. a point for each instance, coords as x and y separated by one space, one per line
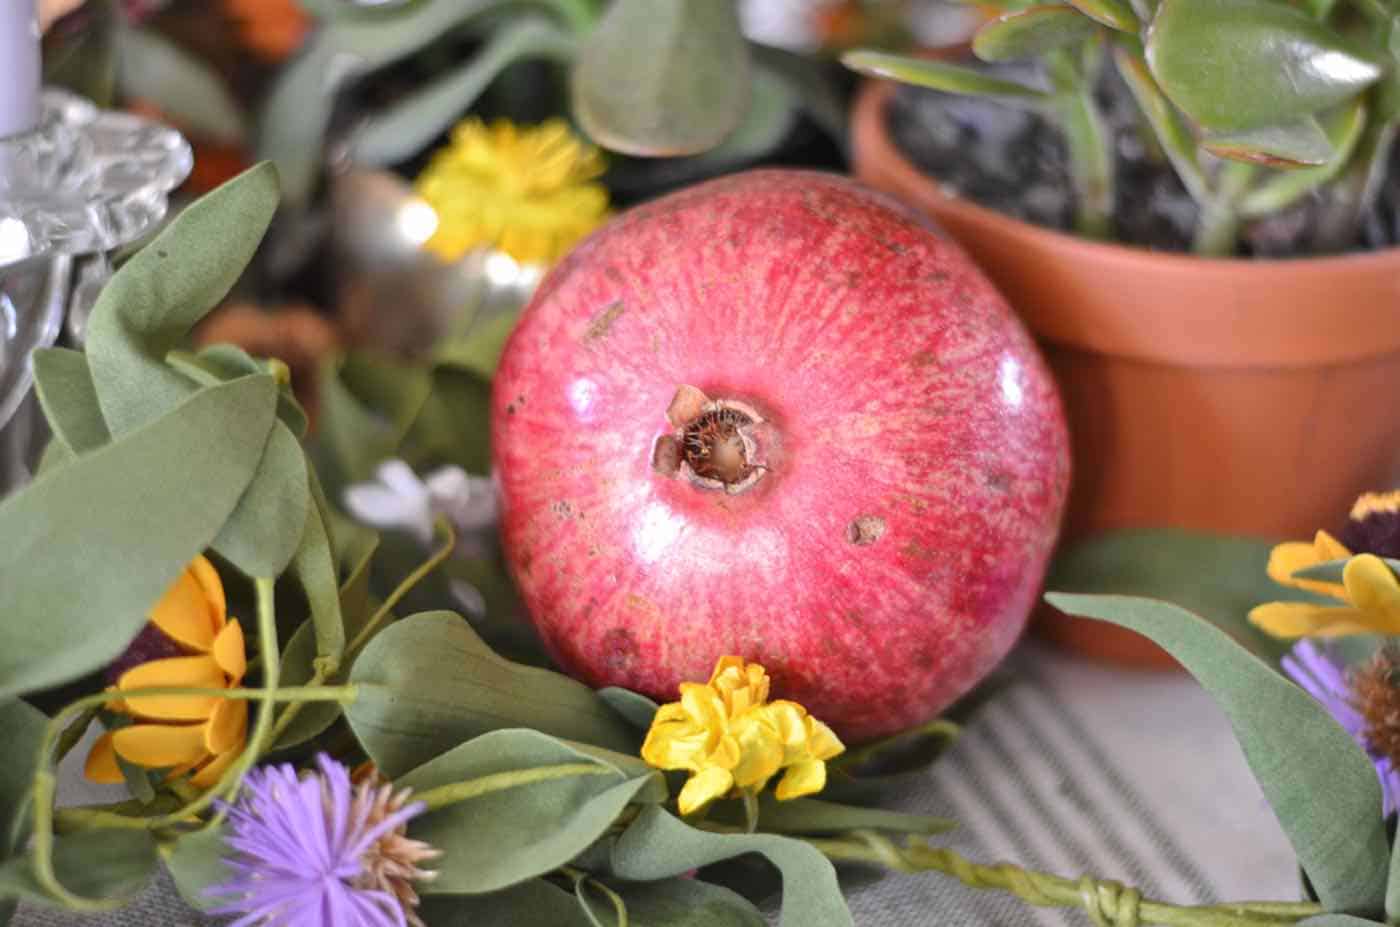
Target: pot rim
1239 329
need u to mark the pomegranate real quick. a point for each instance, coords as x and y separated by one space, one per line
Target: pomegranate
774 415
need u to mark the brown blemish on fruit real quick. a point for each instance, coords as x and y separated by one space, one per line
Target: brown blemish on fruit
562 508
603 321
666 455
924 358
998 480
916 551
510 408
619 648
865 530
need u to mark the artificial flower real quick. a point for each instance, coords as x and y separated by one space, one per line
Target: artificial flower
731 738
1369 591
189 642
400 501
528 191
1363 706
319 849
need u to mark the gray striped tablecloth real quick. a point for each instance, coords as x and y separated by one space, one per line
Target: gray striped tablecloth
1073 768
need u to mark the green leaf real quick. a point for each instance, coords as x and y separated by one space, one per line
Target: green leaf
150 67
1115 14
533 902
1280 191
64 384
814 816
1392 889
1239 65
1171 130
91 546
1219 578
407 127
1295 144
478 351
1031 32
672 903
454 424
315 569
196 862
1320 784
657 845
663 77
1337 920
367 407
113 865
428 683
265 530
635 708
937 75
24 727
517 833
219 363
150 304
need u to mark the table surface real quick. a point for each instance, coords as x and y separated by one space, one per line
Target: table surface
1073 768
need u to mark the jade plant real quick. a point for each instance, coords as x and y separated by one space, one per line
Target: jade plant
1255 104
645 77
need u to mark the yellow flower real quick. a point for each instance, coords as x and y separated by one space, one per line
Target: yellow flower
1370 595
183 733
530 192
730 738
1293 556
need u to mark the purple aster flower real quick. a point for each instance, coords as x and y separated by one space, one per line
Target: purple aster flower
1326 680
318 849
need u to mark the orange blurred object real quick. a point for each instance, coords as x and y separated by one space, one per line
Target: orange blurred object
272 29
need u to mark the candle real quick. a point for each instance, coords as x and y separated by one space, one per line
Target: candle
19 66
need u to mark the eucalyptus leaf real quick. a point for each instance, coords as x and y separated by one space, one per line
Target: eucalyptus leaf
657 845
937 75
64 385
111 519
24 727
407 127
265 530
672 903
196 863
532 902
219 363
428 683
111 865
663 77
151 303
635 708
1319 783
1240 65
1217 577
296 113
1031 32
816 816
151 67
479 350
522 832
1294 144
454 424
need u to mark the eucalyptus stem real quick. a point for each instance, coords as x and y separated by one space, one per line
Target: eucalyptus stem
1107 904
409 581
750 810
451 794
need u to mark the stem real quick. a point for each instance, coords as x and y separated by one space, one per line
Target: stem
750 810
1355 191
1106 903
1217 233
1090 146
445 795
403 588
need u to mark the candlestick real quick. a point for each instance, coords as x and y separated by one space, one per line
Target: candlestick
19 54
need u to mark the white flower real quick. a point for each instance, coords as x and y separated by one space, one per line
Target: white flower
400 501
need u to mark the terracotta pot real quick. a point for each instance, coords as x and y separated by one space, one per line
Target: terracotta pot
1232 396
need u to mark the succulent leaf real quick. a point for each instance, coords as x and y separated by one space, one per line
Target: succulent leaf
1030 32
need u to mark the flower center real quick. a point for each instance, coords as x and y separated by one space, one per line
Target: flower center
1374 525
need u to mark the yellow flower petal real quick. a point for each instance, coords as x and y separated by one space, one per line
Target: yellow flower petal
194 672
807 778
760 750
703 788
1300 619
1287 559
159 745
1373 503
822 742
1374 590
228 728
209 773
101 765
192 609
230 652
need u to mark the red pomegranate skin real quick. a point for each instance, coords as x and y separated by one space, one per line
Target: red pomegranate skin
917 454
